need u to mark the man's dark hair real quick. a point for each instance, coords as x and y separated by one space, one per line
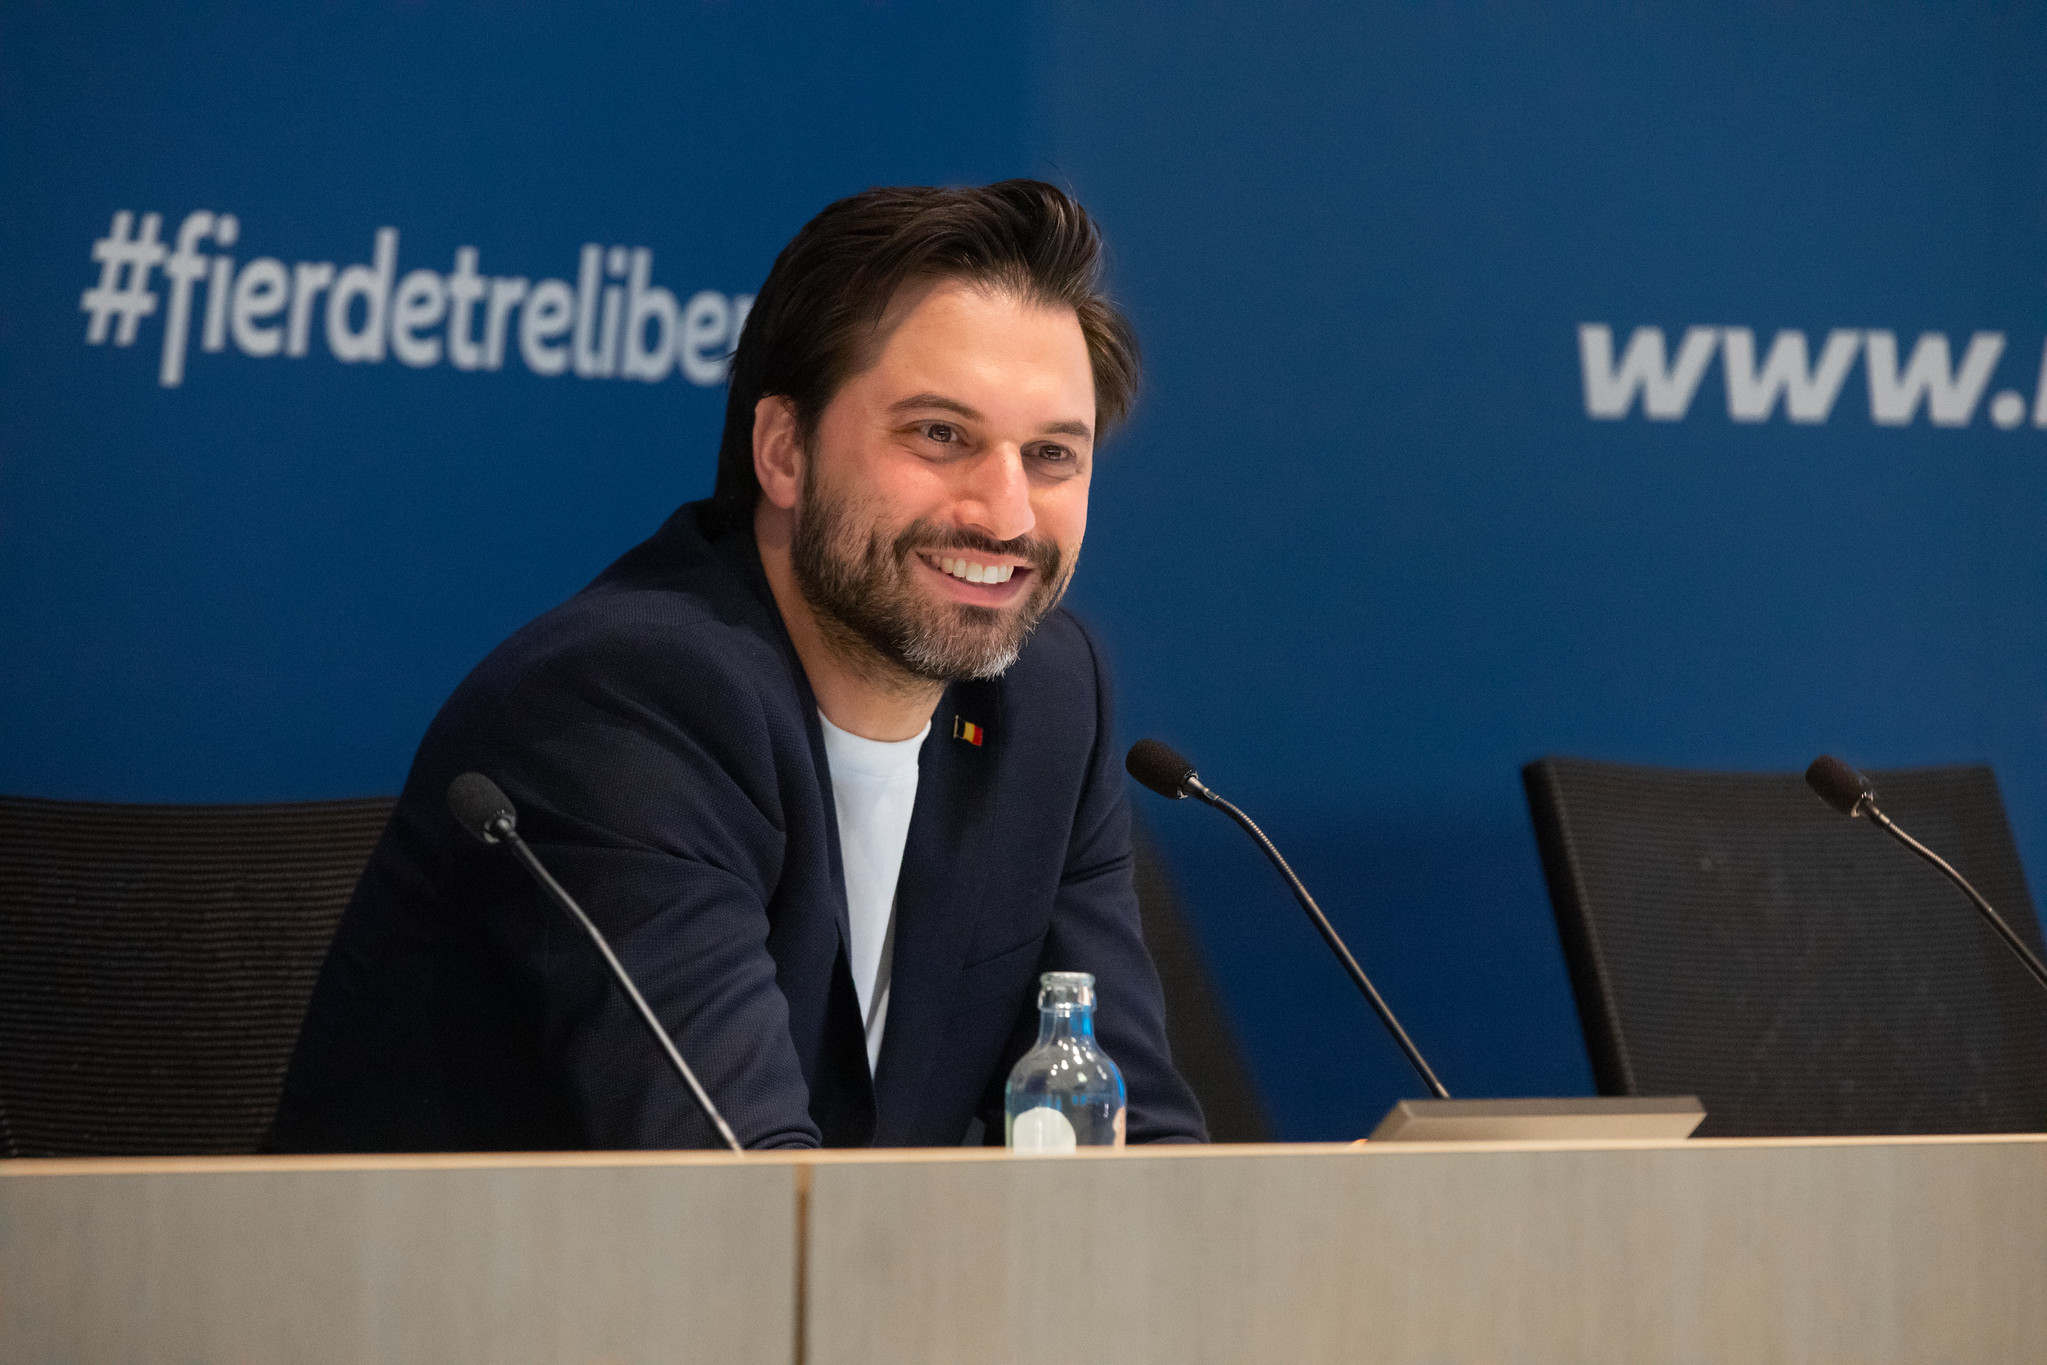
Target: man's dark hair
813 326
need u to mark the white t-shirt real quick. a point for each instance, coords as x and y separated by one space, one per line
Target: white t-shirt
874 788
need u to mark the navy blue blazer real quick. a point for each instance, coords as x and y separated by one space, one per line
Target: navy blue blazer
662 745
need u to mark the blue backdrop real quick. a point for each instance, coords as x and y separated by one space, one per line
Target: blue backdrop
1661 386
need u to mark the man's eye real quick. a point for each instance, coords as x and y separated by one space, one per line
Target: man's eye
1054 454
944 433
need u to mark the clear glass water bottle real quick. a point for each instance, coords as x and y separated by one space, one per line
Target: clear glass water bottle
1065 1092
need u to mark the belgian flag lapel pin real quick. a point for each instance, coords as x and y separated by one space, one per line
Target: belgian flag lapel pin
962 728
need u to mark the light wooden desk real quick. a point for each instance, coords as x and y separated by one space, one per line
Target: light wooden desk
1891 1250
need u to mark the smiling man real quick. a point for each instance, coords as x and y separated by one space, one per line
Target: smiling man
824 758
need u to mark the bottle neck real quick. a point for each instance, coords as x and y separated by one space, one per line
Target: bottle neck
1060 1023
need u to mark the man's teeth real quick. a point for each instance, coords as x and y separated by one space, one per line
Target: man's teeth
976 573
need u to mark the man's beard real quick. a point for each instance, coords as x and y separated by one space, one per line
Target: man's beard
861 588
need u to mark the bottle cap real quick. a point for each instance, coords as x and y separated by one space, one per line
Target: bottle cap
1066 991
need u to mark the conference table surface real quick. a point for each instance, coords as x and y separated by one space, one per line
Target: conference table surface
1849 1249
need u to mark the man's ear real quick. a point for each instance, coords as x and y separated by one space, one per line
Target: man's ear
777 451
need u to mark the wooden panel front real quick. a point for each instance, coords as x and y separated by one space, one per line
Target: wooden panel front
1868 1251
567 1261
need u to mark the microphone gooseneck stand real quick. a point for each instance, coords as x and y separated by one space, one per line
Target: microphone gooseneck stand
502 827
1173 777
1850 793
480 806
2025 955
1328 932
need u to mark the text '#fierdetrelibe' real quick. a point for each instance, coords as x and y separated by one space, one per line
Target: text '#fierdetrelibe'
612 322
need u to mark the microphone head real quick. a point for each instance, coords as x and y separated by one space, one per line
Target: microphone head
1837 784
477 805
1159 768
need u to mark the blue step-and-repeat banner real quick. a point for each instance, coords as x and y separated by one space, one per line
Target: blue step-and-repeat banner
1658 382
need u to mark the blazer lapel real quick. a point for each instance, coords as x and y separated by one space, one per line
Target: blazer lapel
847 1075
742 554
938 892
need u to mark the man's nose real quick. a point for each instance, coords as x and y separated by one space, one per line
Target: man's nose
995 497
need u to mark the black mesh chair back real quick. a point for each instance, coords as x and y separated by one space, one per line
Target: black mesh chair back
1730 937
155 964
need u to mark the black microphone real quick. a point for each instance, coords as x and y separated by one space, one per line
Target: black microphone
1839 785
1850 793
1173 777
481 808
